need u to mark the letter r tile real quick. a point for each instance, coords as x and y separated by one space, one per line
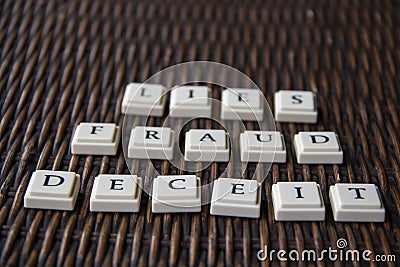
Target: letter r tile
151 143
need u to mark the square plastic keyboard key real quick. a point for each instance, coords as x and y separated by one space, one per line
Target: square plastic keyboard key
52 190
207 139
96 133
357 203
152 136
318 142
295 106
151 143
297 100
176 193
242 104
206 145
318 148
95 139
116 193
262 146
238 192
297 201
53 184
186 186
190 101
143 99
236 197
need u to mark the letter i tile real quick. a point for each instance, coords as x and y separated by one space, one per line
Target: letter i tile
297 201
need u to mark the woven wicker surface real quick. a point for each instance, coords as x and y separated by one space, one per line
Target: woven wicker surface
63 62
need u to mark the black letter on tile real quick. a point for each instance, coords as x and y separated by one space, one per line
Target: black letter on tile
142 93
114 183
259 138
151 133
358 194
94 128
298 189
297 98
235 189
47 180
207 135
170 184
190 93
314 139
242 96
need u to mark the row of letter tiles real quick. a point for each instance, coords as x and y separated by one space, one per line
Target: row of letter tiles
206 145
292 201
237 103
255 146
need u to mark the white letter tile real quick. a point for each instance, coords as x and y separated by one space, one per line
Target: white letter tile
116 193
206 145
236 197
295 106
356 203
95 139
297 201
151 143
176 193
242 104
318 148
143 99
190 102
262 146
56 190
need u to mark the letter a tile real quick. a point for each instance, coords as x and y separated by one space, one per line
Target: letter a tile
206 145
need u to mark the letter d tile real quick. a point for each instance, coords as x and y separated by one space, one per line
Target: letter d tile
52 190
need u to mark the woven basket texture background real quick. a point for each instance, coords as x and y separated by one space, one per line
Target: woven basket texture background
65 62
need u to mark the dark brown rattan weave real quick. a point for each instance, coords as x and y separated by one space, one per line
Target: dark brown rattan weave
63 62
